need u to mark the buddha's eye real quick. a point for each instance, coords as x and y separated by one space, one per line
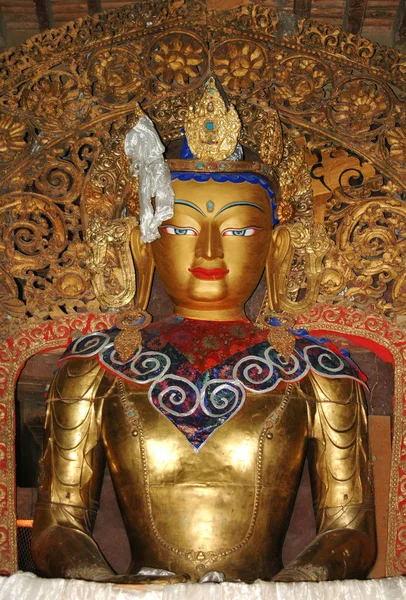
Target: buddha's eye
179 230
246 232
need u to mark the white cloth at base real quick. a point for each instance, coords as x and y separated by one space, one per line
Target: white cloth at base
26 586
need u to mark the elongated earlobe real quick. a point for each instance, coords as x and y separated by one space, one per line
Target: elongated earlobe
313 246
144 266
278 266
110 260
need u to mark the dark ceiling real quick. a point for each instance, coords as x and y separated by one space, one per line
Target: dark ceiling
383 21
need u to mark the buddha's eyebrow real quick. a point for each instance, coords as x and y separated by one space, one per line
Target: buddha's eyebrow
190 205
227 206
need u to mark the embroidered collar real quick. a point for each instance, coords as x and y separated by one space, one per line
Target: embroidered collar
200 401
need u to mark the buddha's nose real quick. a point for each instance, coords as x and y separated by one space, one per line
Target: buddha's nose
208 244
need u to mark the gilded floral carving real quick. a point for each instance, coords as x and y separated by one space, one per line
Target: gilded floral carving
394 146
300 83
115 75
56 100
71 277
33 230
359 106
9 302
239 65
369 256
59 179
35 248
15 138
177 59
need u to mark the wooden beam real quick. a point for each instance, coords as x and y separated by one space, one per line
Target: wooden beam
44 14
399 27
354 14
94 6
302 8
3 37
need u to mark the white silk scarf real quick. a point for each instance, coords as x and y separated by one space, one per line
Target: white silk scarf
145 151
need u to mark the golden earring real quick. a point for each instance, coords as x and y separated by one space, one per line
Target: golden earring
130 322
278 335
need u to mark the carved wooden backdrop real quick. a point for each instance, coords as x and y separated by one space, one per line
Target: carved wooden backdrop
66 94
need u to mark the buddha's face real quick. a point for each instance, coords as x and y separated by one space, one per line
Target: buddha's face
212 252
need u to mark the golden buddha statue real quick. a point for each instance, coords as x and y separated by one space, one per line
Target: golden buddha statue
205 419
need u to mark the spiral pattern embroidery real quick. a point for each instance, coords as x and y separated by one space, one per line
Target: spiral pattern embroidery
197 413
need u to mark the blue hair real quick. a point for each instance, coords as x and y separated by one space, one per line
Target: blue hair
229 176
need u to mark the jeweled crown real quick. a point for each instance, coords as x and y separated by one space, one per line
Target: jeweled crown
212 130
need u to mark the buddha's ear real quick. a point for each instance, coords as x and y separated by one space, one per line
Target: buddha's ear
110 262
278 266
288 239
144 266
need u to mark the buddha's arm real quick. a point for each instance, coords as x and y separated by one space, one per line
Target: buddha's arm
71 474
345 545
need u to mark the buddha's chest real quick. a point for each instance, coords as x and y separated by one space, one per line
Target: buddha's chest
181 420
265 438
195 505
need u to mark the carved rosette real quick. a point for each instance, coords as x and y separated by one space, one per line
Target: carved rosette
177 60
115 76
241 65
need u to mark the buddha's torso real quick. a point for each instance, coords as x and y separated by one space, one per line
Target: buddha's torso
205 430
225 507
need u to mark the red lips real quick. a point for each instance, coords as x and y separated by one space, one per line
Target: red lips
202 273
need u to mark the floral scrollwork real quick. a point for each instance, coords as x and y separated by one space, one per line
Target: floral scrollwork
71 279
56 100
60 180
15 138
169 113
394 146
367 261
360 106
300 83
177 59
9 295
33 231
115 75
239 65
